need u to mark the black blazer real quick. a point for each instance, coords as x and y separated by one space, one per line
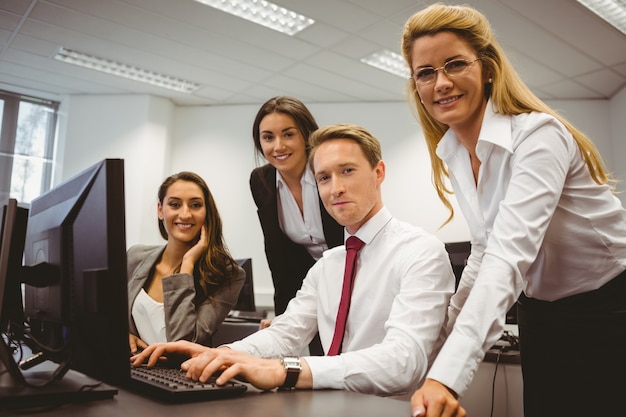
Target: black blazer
289 262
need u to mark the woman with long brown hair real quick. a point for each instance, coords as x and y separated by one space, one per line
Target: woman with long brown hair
184 289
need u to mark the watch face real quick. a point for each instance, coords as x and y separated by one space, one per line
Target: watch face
293 368
292 363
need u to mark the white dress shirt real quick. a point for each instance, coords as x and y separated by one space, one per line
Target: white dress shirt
402 288
539 224
303 228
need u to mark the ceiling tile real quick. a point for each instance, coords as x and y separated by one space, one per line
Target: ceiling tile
606 82
570 90
561 50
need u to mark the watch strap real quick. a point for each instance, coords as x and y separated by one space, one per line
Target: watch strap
293 367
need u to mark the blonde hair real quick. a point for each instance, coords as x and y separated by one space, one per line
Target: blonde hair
508 92
370 146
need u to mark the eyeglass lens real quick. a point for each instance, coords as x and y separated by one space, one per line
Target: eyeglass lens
454 67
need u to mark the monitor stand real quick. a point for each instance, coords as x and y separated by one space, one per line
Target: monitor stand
33 394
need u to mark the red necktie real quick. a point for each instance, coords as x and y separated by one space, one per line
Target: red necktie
353 246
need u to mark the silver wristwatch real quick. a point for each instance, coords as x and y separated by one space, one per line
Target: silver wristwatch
293 367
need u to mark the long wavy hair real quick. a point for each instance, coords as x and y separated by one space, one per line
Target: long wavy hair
216 267
508 92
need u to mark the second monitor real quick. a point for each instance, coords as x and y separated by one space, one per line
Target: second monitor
246 309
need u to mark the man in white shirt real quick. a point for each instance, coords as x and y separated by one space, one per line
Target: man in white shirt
399 300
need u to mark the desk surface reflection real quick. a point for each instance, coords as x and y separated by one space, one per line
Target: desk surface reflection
254 403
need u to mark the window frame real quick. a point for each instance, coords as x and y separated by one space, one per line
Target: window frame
8 138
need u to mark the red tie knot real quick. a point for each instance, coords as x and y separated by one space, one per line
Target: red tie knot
354 243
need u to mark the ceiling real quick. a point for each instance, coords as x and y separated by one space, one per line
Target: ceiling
560 49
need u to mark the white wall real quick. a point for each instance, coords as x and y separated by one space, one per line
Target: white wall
157 139
134 128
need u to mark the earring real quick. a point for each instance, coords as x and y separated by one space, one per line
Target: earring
488 88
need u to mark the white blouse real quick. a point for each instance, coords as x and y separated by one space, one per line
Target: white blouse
305 229
539 224
149 317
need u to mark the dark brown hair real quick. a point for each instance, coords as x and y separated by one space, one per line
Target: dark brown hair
291 107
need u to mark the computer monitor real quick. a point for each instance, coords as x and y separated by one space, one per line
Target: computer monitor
458 252
245 302
75 273
12 233
12 236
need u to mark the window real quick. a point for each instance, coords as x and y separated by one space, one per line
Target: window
27 138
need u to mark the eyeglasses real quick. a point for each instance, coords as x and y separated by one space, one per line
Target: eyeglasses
452 68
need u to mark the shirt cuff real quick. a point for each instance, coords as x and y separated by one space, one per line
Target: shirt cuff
326 371
456 365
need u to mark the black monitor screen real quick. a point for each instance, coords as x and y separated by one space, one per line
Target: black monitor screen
12 232
245 302
12 235
75 273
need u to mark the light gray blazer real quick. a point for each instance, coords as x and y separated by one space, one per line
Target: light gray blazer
183 318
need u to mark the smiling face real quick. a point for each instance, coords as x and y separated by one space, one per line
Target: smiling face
183 212
348 185
457 101
283 145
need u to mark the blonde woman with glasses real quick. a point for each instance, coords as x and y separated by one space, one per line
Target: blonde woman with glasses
546 227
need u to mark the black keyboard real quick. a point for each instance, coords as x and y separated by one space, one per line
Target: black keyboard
171 385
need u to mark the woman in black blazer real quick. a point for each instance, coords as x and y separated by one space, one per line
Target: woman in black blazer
296 226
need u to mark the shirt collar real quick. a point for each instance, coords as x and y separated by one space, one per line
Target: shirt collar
370 229
307 178
495 129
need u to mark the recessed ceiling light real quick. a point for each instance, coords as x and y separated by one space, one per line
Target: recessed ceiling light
123 70
613 11
263 13
388 61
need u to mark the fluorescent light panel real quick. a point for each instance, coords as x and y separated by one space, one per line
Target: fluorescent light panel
388 61
613 11
123 70
263 13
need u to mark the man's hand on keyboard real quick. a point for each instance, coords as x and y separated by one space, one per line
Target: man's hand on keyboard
264 374
229 364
